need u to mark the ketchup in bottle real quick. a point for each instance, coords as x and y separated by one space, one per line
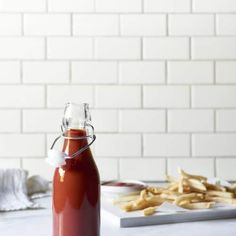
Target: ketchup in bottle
76 185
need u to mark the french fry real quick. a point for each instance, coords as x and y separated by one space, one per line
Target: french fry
155 200
170 179
125 199
180 186
189 176
173 187
188 197
220 194
170 197
198 205
168 191
214 187
231 201
155 190
197 200
140 203
196 185
233 186
187 189
127 207
184 202
143 194
149 211
135 205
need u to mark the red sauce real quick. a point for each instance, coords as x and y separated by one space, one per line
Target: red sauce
76 192
122 184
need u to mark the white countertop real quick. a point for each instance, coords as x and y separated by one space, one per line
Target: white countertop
38 223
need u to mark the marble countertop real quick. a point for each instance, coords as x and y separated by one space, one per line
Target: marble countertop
38 223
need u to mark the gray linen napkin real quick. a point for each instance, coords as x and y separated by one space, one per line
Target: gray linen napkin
14 192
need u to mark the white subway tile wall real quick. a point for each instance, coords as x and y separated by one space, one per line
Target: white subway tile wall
159 75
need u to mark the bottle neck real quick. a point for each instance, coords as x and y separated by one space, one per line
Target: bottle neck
73 145
76 116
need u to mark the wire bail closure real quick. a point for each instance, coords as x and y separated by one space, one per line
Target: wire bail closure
57 158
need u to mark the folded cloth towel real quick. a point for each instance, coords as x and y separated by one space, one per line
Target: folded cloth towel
13 190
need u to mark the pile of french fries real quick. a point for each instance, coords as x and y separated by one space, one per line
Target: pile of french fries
188 191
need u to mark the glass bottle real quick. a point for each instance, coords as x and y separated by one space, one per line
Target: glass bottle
76 185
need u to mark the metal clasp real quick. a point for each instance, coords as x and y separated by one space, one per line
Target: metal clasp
57 158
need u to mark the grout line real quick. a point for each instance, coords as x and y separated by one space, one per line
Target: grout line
166 83
118 168
21 162
190 98
124 109
228 85
21 111
93 95
190 145
119 60
46 6
214 83
190 49
45 48
94 7
21 121
141 49
21 72
142 145
214 73
119 25
214 121
215 168
71 24
157 36
142 9
166 121
166 73
93 50
45 144
70 73
166 166
45 96
215 27
22 25
142 96
131 157
94 12
133 133
118 79
119 121
124 12
167 24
